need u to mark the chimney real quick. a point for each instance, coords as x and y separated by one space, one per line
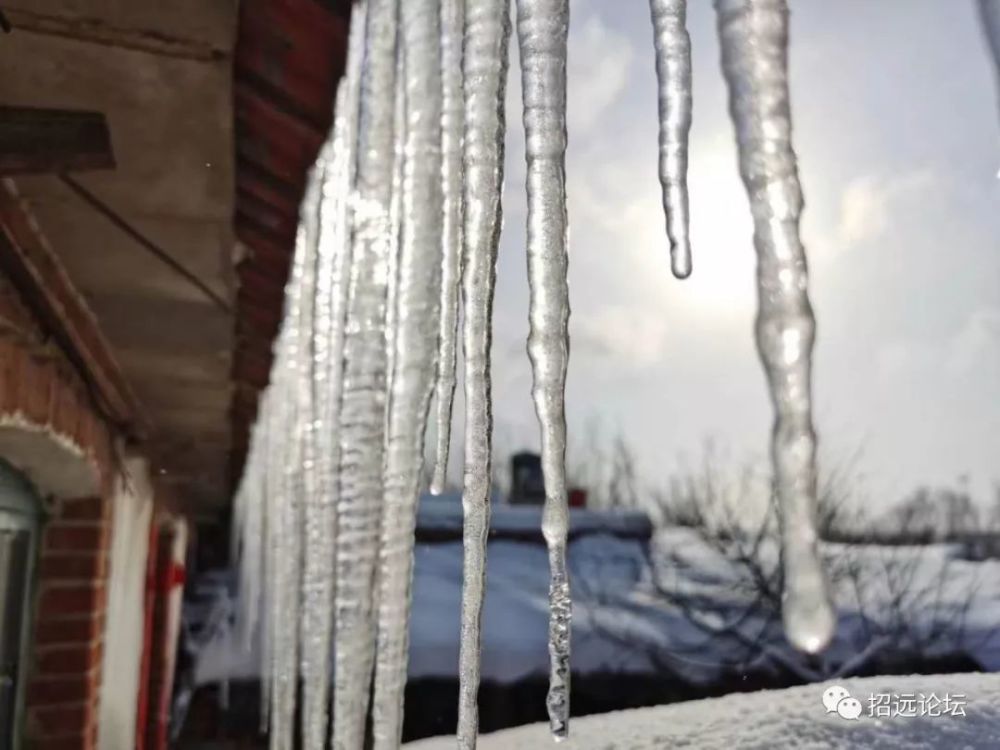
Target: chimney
527 483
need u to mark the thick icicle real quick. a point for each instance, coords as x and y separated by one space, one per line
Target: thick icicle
673 73
333 258
487 32
415 345
395 227
248 528
754 41
989 12
452 122
362 416
297 483
542 27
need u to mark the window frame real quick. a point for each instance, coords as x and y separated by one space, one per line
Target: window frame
20 510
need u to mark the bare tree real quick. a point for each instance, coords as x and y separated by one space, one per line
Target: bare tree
896 602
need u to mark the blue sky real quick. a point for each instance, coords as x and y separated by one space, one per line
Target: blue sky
897 129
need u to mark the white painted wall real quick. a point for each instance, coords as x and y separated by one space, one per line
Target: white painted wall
123 633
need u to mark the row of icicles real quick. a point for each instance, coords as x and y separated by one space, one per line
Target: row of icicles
400 222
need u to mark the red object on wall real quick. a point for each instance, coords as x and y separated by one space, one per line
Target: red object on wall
577 498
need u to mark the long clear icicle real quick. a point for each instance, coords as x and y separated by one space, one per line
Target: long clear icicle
248 528
415 345
362 417
542 28
395 227
673 74
989 13
333 258
299 475
487 32
754 41
452 124
314 574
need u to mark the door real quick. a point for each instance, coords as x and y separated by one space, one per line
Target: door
18 531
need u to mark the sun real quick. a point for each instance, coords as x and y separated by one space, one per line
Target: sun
723 280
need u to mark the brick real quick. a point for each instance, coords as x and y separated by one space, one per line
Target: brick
74 537
54 691
60 721
10 365
36 379
84 629
84 509
66 660
73 567
62 601
82 741
65 409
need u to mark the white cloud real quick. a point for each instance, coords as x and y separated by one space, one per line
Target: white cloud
973 347
599 64
977 344
869 202
630 335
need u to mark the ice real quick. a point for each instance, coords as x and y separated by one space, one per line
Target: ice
452 126
362 415
402 211
754 41
989 12
673 73
297 478
415 346
542 27
310 569
487 31
333 257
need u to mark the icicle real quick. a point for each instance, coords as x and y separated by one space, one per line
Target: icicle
249 526
754 40
362 416
542 27
299 481
333 258
989 12
487 32
673 73
452 122
415 345
395 227
274 420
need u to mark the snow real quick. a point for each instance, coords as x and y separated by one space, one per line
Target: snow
779 719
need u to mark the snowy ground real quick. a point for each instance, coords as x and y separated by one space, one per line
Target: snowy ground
771 720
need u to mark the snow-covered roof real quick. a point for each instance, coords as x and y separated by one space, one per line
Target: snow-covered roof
440 518
612 619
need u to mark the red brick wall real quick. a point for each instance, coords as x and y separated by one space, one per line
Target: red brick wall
40 388
40 391
65 665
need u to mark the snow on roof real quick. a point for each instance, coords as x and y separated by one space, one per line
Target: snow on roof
612 620
439 517
793 718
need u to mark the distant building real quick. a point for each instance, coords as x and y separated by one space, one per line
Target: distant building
527 482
